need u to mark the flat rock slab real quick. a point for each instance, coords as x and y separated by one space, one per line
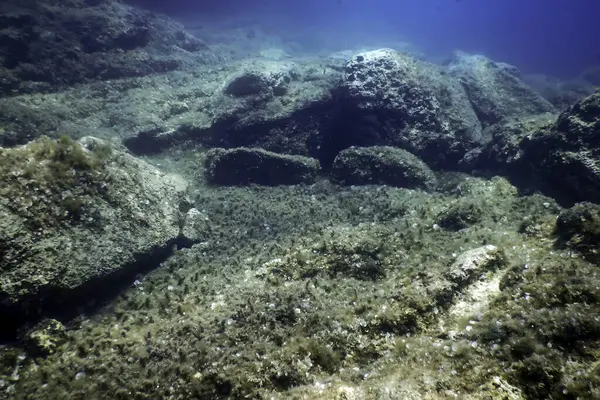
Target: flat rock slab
242 166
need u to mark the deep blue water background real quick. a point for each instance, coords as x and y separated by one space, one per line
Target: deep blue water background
555 37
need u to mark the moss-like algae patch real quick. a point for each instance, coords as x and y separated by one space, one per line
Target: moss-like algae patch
49 182
329 293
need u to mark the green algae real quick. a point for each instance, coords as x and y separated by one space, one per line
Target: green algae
278 304
49 182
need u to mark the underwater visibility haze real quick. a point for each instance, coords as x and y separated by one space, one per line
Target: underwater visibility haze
333 199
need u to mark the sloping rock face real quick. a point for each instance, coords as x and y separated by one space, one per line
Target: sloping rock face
390 98
47 44
567 156
558 156
279 106
495 89
382 165
243 166
73 218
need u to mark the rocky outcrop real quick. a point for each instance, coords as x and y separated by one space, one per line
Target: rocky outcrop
579 228
45 45
264 79
390 98
243 166
74 218
557 156
567 156
503 153
382 165
495 89
473 263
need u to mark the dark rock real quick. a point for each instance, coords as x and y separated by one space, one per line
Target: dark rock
567 156
244 166
495 89
390 98
45 44
504 152
579 227
382 165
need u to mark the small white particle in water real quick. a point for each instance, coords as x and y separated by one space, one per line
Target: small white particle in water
80 375
468 328
170 287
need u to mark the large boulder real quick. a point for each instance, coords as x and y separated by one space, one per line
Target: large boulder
74 219
243 166
390 98
382 165
495 89
47 44
567 156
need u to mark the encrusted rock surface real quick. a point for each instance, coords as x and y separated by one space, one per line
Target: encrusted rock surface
391 98
242 166
382 165
75 216
567 155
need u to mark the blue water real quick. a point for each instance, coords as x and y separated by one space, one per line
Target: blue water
555 37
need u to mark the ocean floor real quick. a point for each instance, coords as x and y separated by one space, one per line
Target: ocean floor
224 233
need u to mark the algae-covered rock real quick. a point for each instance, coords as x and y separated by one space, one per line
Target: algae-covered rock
580 227
495 89
74 216
503 152
473 263
460 215
243 166
46 337
391 98
382 165
46 44
267 78
566 156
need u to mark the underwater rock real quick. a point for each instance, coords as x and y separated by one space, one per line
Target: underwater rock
46 44
579 226
195 225
473 263
45 337
460 215
76 220
391 98
566 157
278 106
495 89
244 166
268 78
382 165
503 152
